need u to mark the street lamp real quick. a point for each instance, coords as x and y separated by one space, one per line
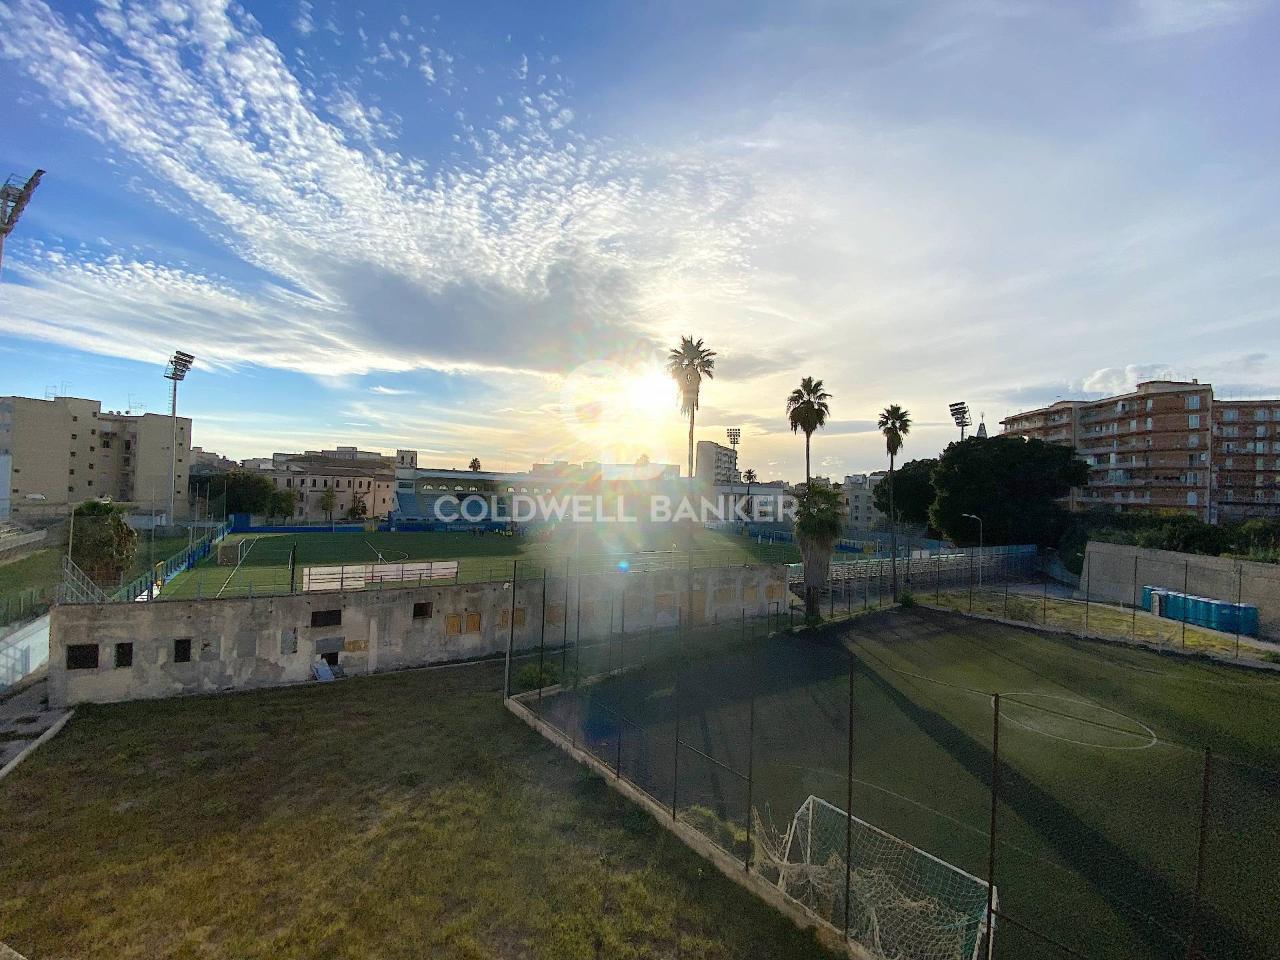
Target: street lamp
960 414
734 434
974 516
177 369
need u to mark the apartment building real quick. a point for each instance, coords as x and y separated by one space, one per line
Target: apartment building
715 464
59 452
368 479
857 499
1165 448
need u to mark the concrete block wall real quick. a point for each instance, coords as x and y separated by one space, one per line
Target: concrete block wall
1112 570
244 643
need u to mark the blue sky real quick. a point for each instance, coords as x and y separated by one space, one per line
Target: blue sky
473 228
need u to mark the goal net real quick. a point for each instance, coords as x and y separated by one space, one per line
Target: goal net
233 554
903 902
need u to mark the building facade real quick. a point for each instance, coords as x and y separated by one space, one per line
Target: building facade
366 480
1168 447
857 500
59 452
715 463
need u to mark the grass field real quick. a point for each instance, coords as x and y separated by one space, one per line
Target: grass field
400 816
1101 766
265 568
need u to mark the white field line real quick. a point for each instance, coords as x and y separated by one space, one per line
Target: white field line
231 575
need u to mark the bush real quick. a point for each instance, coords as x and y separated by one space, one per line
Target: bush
906 599
533 678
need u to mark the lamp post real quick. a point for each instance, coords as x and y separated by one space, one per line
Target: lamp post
960 414
974 516
176 371
734 434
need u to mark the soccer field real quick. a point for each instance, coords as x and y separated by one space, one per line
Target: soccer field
1100 776
264 567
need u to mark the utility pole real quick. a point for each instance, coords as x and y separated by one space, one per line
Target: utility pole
13 200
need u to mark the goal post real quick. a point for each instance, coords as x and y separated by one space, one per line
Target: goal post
903 901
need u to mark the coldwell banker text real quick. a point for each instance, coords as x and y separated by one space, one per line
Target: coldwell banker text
591 508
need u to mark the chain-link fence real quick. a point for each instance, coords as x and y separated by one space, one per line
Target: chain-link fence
869 773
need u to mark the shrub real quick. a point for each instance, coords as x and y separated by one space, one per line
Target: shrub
532 678
906 599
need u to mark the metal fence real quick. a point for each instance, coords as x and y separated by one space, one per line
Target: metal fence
1076 830
19 605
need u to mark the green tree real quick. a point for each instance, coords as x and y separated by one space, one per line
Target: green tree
817 530
283 503
688 364
358 509
912 490
102 544
328 500
895 424
749 477
1013 484
807 410
248 492
475 464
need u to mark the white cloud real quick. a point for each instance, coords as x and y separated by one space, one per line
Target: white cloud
1165 18
389 391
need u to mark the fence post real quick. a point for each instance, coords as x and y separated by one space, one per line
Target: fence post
1006 600
1044 602
1085 628
1202 845
1186 580
991 834
675 753
848 822
542 637
1133 627
751 743
1239 602
971 580
511 635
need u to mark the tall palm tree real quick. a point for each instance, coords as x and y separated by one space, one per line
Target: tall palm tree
749 477
475 464
807 410
895 424
688 364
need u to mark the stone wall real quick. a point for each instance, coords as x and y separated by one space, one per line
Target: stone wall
257 642
1116 573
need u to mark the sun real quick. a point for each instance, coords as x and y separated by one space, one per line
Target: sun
648 392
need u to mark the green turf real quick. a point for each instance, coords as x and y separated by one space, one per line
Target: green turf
1101 766
265 567
393 817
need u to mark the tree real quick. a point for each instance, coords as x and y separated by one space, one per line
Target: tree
912 489
807 410
688 364
283 503
248 492
358 509
475 464
1013 484
895 424
102 544
328 500
749 477
817 529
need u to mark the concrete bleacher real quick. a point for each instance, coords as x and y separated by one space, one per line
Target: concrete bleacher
16 539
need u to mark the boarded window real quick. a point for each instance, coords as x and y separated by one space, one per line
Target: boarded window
473 623
587 611
724 594
555 613
422 610
665 602
82 656
124 654
182 650
288 642
773 591
750 593
453 625
326 618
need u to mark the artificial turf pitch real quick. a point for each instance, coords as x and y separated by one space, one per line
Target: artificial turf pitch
1101 765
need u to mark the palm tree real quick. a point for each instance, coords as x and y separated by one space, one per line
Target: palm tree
475 464
895 424
688 364
749 477
807 410
817 529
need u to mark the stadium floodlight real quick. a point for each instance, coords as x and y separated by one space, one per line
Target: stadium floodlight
179 365
734 434
960 414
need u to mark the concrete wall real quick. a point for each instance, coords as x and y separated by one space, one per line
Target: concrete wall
1112 570
257 642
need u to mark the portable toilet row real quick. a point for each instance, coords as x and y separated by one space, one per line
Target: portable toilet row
1221 615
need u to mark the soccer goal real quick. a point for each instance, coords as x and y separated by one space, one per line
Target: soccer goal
903 902
233 554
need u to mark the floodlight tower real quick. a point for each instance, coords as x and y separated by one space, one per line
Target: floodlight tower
176 371
13 200
734 434
960 414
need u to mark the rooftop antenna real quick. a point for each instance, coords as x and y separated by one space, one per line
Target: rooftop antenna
13 200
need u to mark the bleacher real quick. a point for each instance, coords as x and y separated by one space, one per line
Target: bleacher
14 537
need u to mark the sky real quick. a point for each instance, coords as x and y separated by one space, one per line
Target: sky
475 229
